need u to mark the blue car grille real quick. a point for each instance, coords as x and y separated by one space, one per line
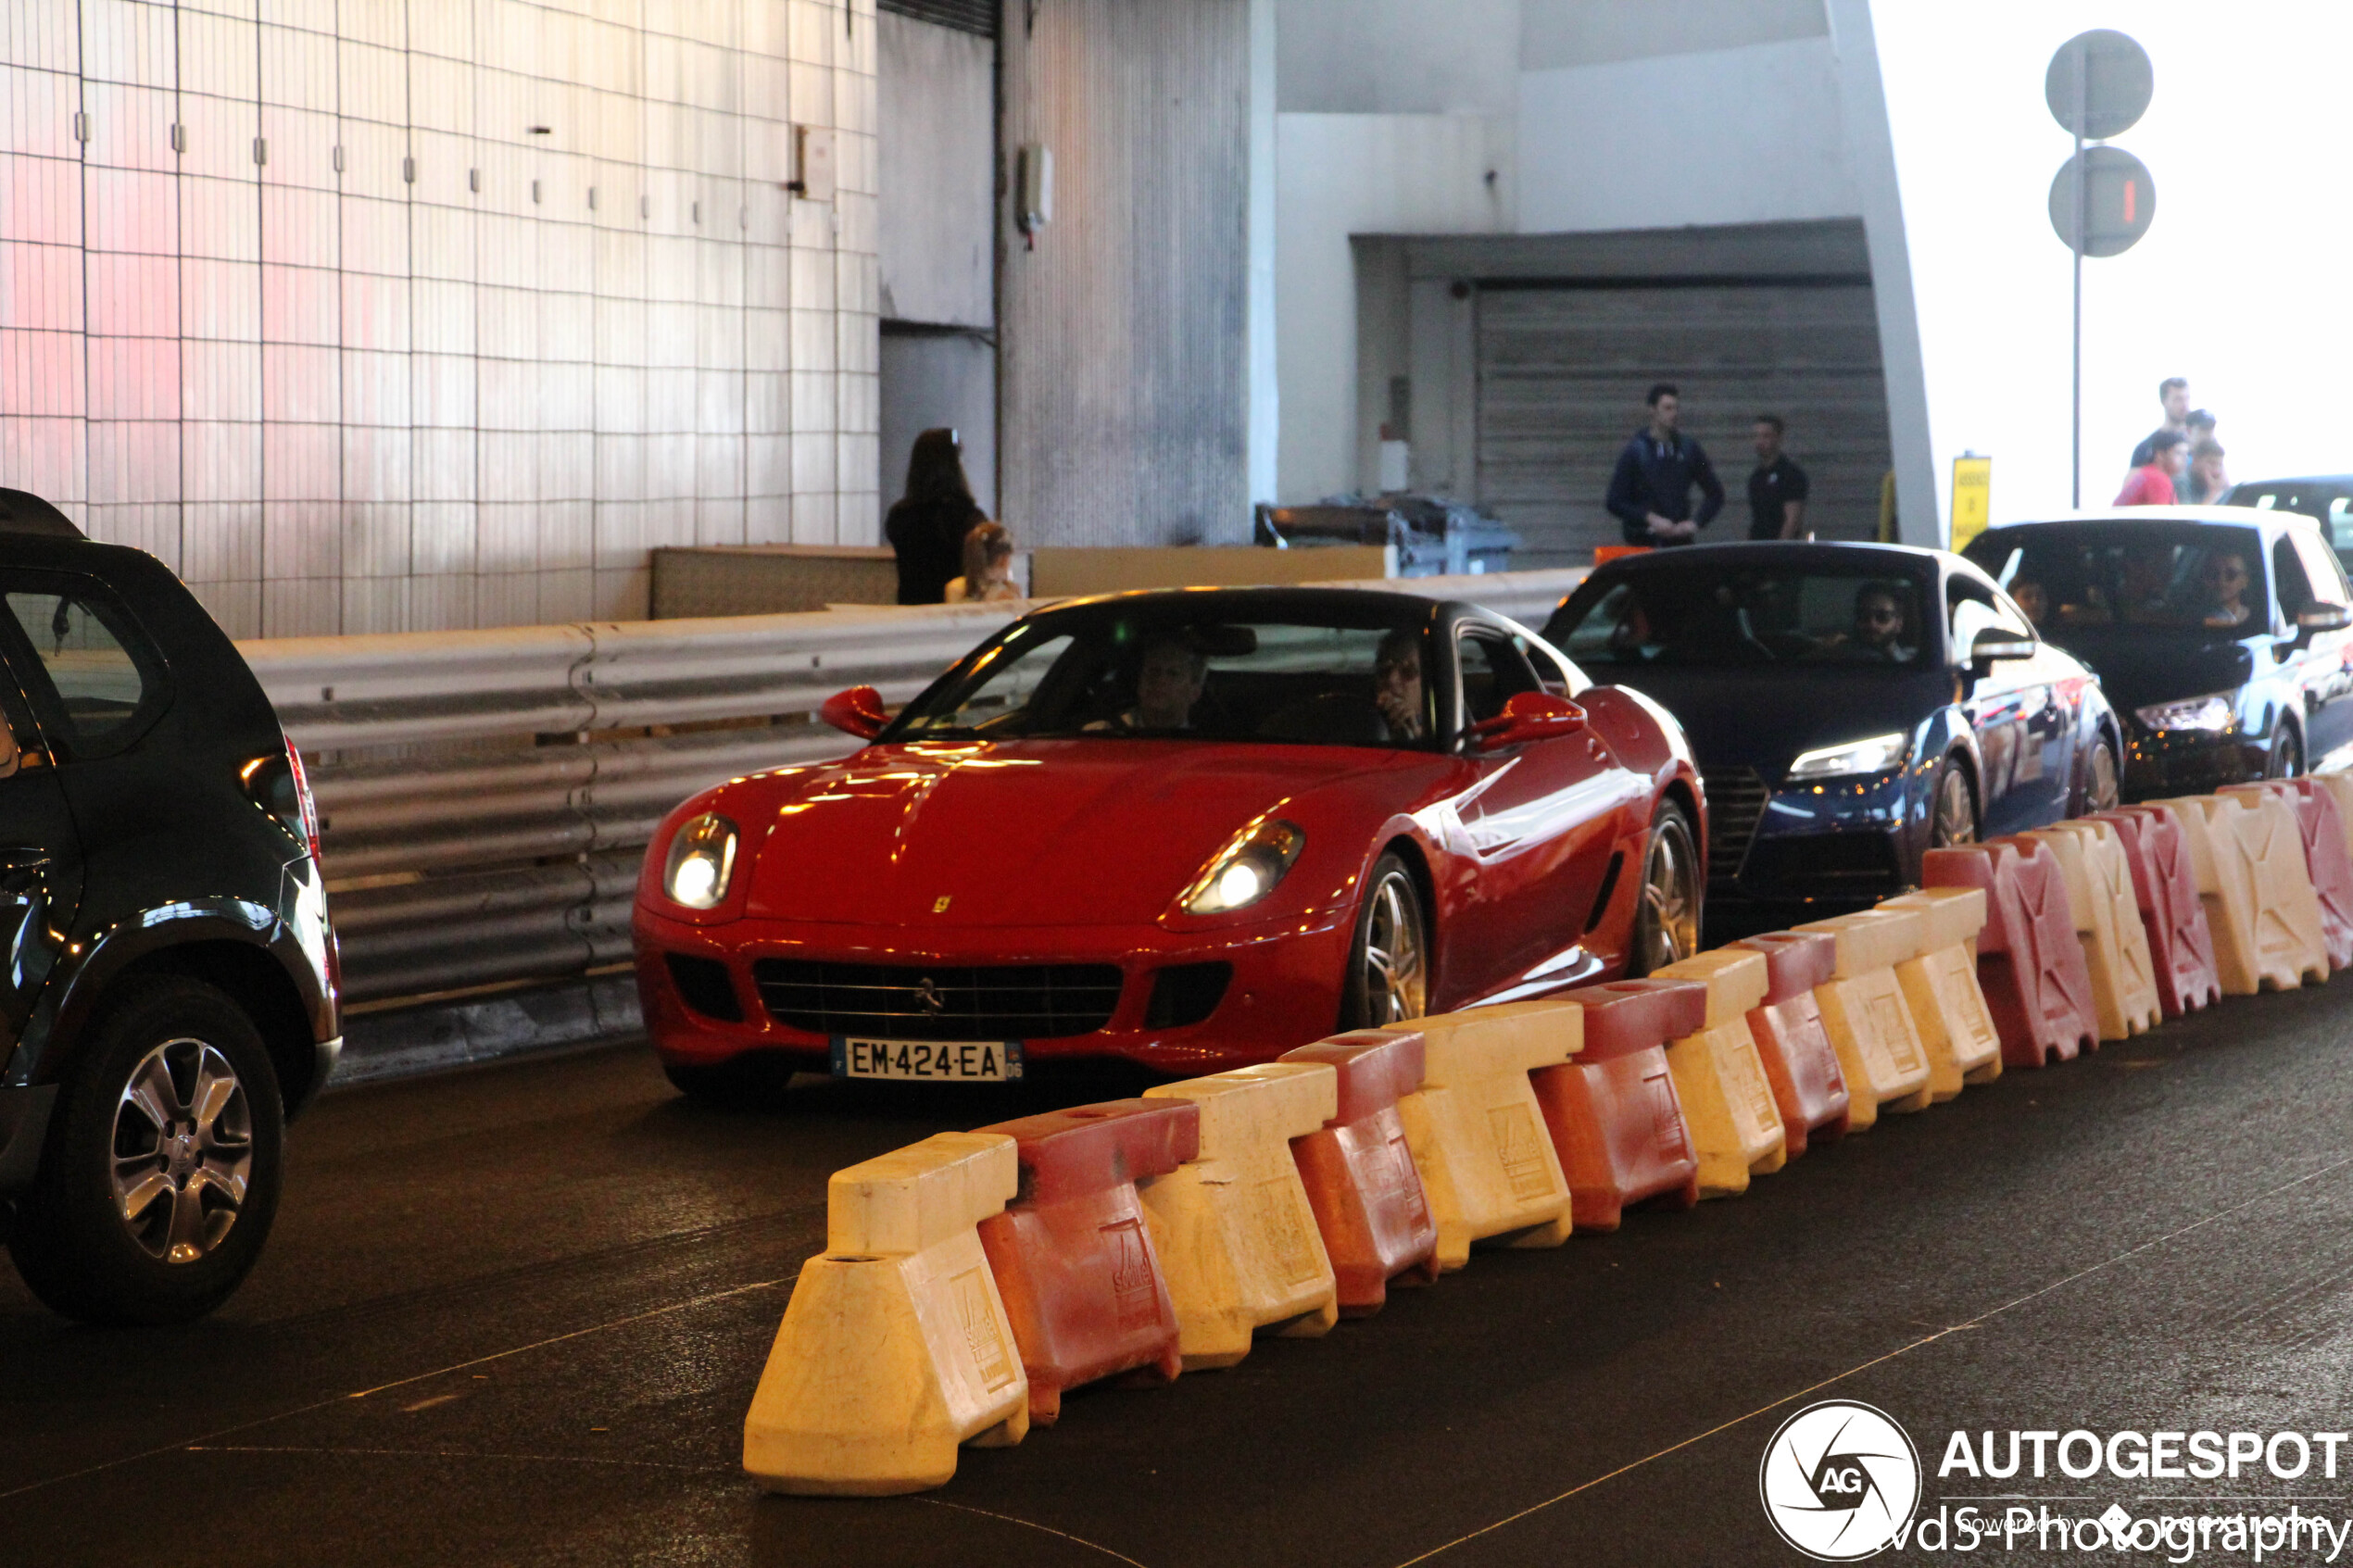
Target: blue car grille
939 1002
1736 799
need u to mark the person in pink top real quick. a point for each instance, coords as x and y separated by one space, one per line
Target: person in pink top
2151 484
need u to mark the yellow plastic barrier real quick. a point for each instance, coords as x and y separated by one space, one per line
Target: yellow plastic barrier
2340 787
2226 887
1476 1132
2108 923
1863 1008
1940 986
1236 1235
895 1347
1728 1101
2258 833
2290 945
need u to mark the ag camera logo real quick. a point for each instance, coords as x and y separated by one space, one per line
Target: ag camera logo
1840 1481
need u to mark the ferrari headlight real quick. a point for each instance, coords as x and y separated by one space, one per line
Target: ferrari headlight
2211 714
1246 870
1873 755
702 860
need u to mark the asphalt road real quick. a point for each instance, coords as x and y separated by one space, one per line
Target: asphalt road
515 1316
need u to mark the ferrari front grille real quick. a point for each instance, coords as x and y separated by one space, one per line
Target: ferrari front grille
1736 799
939 1002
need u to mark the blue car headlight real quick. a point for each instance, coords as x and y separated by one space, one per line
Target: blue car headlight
1876 755
2208 715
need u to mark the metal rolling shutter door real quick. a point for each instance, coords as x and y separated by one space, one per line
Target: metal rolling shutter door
1561 371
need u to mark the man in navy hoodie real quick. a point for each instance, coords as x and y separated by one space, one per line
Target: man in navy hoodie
1650 494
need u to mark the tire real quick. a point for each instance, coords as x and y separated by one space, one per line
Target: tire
173 1106
1952 808
1667 914
1388 977
2285 758
2103 779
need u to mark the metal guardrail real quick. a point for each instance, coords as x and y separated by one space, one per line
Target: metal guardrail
487 797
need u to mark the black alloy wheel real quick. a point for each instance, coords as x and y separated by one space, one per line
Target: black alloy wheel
160 1176
1953 809
1387 980
2285 759
2103 785
1666 919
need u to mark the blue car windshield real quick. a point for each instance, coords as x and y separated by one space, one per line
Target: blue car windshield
2183 581
1746 615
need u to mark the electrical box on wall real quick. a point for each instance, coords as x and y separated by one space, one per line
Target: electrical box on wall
1034 189
813 163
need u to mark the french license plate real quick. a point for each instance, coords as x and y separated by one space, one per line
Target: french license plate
953 1062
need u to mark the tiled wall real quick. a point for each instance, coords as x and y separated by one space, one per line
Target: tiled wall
296 296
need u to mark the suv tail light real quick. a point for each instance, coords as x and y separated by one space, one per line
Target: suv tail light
303 802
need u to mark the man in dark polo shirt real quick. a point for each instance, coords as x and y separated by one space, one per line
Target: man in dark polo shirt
1776 488
1650 492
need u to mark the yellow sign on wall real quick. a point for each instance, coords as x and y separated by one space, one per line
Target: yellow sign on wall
1972 497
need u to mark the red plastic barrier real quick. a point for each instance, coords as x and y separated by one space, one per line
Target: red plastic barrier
1800 1061
2327 861
1072 1254
1613 1112
2029 962
1359 1174
2165 884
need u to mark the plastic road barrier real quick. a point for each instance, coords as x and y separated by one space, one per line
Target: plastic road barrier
1863 1008
2225 890
1233 1228
2028 963
1728 1101
1071 1256
2172 917
1476 1133
2257 851
2338 787
895 1347
1612 1113
2325 860
1359 1173
2107 924
1800 1062
1940 986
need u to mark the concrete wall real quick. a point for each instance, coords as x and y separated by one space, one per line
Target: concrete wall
1124 400
363 351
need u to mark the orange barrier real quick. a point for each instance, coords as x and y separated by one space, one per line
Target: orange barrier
1800 1061
2107 924
2325 860
1719 1078
2338 787
1359 1173
1072 1255
1940 986
1613 1112
1476 1133
895 1347
2225 890
2028 963
2172 917
1863 1008
2290 946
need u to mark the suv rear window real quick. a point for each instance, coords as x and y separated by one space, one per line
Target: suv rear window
103 681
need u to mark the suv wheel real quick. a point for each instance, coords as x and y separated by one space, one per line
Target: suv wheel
160 1177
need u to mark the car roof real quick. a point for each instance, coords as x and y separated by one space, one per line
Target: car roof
2293 478
1278 599
1817 553
2235 517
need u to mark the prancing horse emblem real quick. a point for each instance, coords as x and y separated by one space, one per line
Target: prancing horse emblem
939 904
927 997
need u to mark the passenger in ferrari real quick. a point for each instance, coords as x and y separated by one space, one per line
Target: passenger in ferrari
1397 675
1168 682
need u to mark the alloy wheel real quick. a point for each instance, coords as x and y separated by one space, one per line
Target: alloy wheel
2286 759
1666 929
1954 820
182 1150
1396 968
2102 792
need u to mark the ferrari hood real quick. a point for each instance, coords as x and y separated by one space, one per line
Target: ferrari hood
1033 833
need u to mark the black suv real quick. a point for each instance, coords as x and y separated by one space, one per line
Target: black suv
168 994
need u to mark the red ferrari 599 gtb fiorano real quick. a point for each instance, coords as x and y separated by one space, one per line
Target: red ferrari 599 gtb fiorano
1192 829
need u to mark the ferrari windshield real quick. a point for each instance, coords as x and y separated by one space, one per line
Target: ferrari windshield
1193 666
1747 614
2158 579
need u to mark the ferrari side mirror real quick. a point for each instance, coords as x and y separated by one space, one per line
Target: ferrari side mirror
857 711
1530 716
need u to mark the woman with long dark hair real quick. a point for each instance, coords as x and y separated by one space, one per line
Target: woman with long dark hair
928 525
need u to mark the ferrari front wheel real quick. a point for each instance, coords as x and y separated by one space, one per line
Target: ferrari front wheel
1666 918
1387 980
